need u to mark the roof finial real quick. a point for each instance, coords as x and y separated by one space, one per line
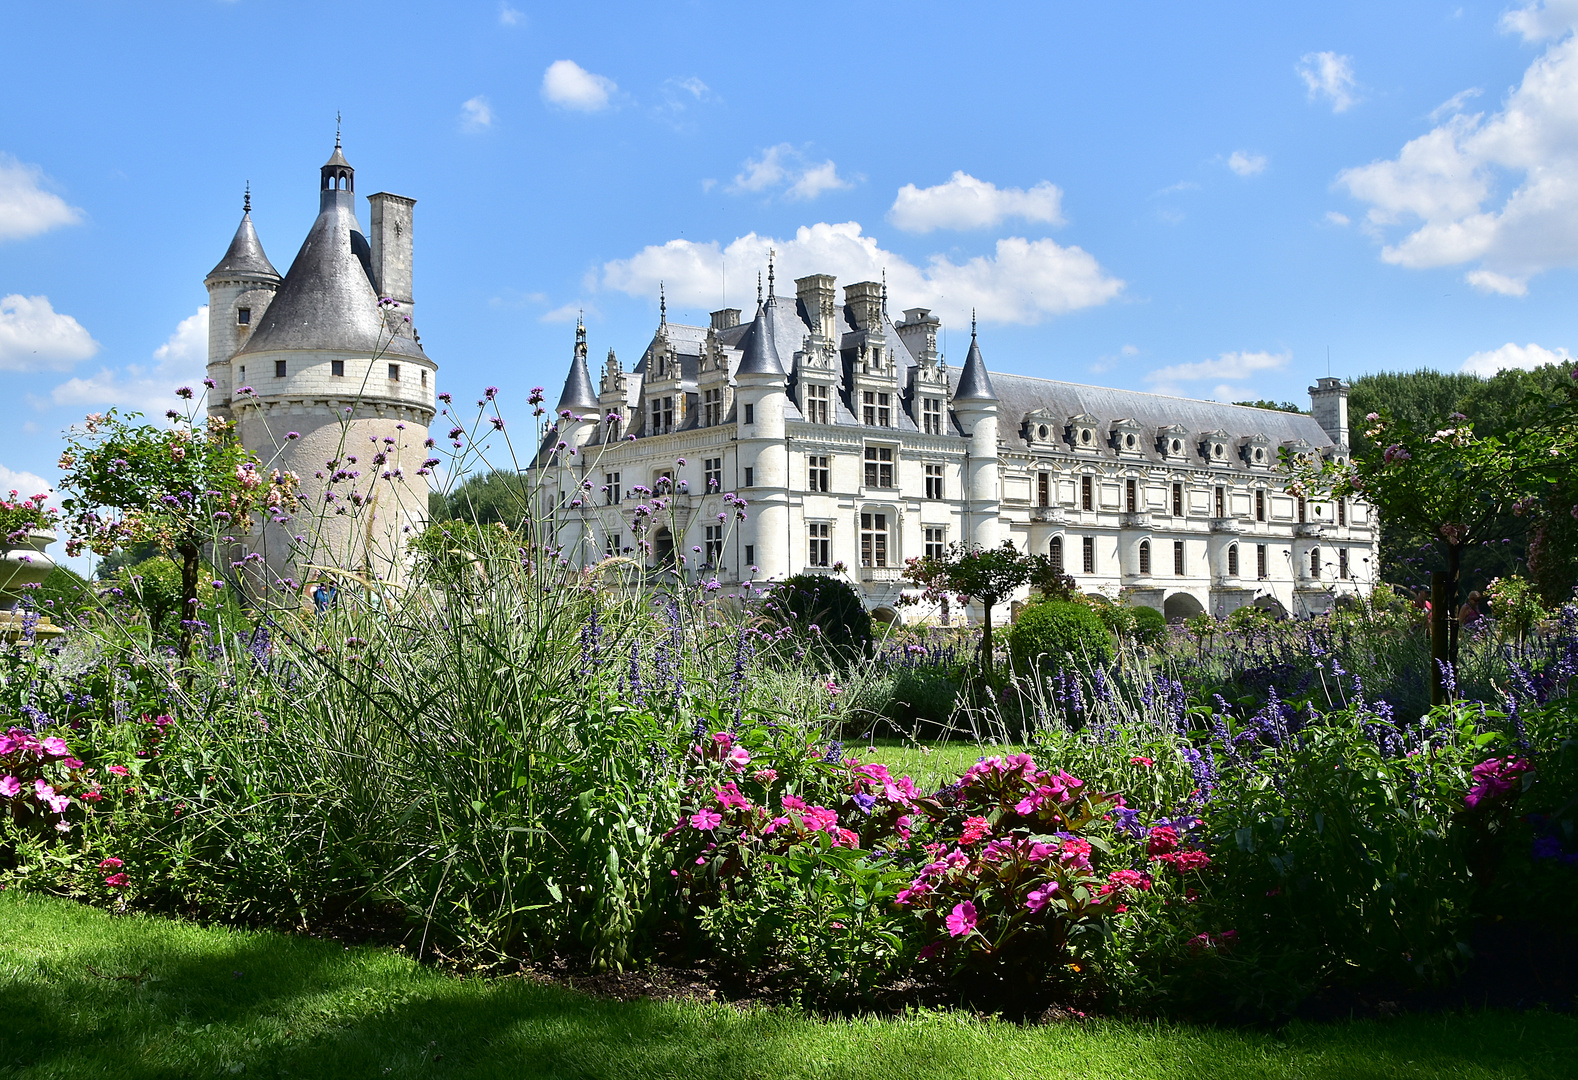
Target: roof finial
662 305
336 129
758 288
972 324
770 275
246 200
884 290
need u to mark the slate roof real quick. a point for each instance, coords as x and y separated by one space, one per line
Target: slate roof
579 395
245 255
974 384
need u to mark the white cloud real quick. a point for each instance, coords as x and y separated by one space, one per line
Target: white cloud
1539 21
1023 281
1528 357
570 86
476 114
509 16
26 209
1500 191
570 312
1337 217
692 86
967 203
149 389
25 484
1224 369
1329 75
784 166
36 337
1454 104
1246 163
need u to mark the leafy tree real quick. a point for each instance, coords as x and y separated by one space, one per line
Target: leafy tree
1050 631
842 623
180 488
502 496
990 575
1415 399
1275 406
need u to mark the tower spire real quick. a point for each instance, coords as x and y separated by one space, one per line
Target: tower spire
662 305
758 288
336 129
770 272
972 324
246 200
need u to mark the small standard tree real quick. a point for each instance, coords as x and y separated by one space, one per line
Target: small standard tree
990 575
179 488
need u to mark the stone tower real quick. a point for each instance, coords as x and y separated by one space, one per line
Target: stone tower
325 376
975 404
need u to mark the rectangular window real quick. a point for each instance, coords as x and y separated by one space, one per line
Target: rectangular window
1232 561
244 316
934 542
613 425
1221 502
750 476
750 557
750 414
1088 546
1260 562
931 415
336 367
712 406
817 474
394 372
1131 491
934 481
1043 489
1342 514
1178 557
279 369
1342 562
819 543
712 473
873 539
611 492
244 371
816 404
613 544
1087 493
712 549
879 466
657 416
1301 509
884 410
1260 506
1145 558
868 408
1177 500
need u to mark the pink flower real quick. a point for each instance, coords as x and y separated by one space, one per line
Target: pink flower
1127 879
117 881
729 795
10 786
1164 838
1039 898
1075 851
705 819
793 802
817 818
764 776
120 770
962 919
56 746
1145 761
738 758
93 794
772 826
111 863
72 763
974 829
724 741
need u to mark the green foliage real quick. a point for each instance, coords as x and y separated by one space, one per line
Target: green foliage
18 516
1414 399
823 615
1150 625
990 575
1119 619
1057 633
500 496
1275 406
1516 604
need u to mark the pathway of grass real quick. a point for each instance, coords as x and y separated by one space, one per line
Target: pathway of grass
86 994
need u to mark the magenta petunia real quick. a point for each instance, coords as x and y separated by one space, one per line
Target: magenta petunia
962 919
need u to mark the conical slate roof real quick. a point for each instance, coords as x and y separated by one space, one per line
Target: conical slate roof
579 396
327 300
245 257
758 347
974 383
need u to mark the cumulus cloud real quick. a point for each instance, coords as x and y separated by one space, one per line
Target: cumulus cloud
26 207
967 203
1329 75
784 166
1245 163
1500 191
147 388
1023 281
25 484
1511 355
476 114
1542 20
36 337
570 86
1228 368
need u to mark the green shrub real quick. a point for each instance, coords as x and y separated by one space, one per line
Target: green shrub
1150 625
1049 632
823 615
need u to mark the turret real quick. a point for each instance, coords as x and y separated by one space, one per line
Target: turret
975 406
240 289
579 397
760 397
1329 407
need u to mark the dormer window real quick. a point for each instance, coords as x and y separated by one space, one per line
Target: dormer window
1084 436
1043 433
931 415
244 316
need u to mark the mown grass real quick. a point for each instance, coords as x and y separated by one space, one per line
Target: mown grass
931 765
88 994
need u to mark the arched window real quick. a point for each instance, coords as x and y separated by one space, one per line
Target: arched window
1315 562
1055 553
1145 558
1232 560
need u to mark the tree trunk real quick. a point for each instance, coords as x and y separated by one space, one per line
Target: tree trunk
189 565
986 641
1440 650
1454 571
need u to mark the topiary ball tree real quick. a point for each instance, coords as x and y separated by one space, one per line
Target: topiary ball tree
1150 625
1048 633
824 613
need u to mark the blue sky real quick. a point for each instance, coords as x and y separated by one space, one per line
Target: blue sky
1204 199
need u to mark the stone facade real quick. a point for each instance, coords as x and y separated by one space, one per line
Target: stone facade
327 380
857 447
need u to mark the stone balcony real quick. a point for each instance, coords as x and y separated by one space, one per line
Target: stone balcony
1229 525
880 574
1309 529
1050 515
1135 520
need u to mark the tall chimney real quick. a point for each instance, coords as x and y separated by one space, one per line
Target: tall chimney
390 240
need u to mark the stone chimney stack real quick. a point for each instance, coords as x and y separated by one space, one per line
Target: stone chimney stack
725 318
390 241
817 295
1329 407
865 301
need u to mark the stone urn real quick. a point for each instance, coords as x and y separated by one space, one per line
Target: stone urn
23 563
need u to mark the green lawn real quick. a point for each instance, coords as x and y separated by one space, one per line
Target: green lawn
205 1002
932 764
